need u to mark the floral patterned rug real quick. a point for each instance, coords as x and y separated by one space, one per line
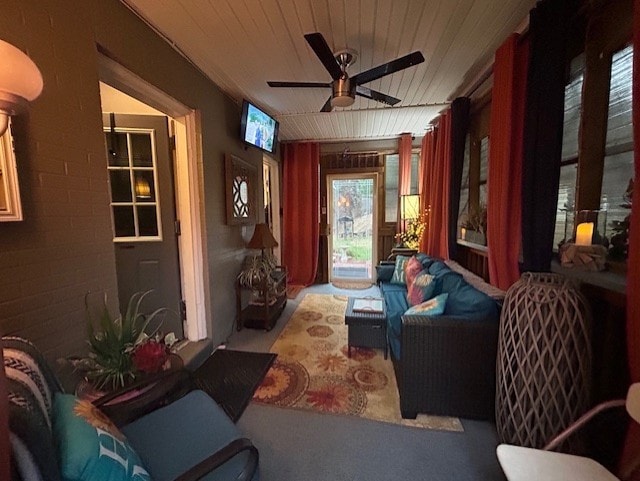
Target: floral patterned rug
313 372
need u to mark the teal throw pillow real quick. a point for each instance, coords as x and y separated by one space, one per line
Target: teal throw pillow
432 307
423 287
398 272
90 446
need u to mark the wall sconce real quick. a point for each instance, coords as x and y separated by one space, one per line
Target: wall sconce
20 82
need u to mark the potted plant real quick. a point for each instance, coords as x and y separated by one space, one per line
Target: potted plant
410 238
120 349
619 247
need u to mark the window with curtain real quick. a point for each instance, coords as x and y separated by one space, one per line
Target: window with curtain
618 159
391 180
475 170
569 165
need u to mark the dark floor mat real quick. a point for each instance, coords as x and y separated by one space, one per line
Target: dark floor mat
231 377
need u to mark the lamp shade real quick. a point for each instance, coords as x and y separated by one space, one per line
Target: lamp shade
20 79
410 207
262 238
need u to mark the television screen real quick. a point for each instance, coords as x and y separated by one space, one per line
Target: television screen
258 128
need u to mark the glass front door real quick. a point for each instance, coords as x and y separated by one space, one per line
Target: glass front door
352 214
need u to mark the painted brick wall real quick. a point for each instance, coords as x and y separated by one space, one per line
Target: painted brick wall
63 248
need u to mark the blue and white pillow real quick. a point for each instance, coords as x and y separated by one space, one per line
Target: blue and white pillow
91 448
398 273
432 307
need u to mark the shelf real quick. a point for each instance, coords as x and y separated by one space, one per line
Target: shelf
267 301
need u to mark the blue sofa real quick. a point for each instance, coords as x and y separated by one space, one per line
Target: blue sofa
445 364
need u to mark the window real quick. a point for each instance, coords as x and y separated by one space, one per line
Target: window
391 179
475 171
618 158
133 180
569 164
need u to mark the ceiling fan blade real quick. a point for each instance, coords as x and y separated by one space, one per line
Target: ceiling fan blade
375 95
299 84
327 107
388 68
319 45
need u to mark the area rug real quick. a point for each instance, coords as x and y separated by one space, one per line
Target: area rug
231 377
313 370
354 285
293 291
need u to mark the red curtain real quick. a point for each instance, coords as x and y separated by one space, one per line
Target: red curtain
631 453
504 198
427 154
300 211
436 185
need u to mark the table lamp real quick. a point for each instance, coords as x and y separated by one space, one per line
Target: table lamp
262 239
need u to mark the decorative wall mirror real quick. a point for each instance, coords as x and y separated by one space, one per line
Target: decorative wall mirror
241 184
10 207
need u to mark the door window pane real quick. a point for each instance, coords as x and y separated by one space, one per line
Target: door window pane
141 150
123 221
132 181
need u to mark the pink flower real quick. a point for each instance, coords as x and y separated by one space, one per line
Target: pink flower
150 356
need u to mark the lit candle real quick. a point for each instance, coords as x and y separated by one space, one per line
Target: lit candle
463 233
584 234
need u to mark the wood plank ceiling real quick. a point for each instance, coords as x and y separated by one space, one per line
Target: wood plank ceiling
240 44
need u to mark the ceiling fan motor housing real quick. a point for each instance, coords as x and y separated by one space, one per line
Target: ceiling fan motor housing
344 93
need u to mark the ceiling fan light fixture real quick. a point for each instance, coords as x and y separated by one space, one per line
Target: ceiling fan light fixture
343 95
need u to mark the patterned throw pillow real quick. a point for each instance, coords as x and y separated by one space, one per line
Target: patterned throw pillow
411 269
90 446
432 307
398 272
422 288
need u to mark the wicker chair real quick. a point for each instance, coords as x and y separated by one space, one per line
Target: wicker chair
447 367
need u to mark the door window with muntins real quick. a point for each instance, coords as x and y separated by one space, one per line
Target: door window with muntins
133 178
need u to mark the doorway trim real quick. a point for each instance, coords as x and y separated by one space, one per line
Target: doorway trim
188 164
274 189
375 176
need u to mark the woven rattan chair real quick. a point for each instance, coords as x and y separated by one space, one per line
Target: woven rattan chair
528 464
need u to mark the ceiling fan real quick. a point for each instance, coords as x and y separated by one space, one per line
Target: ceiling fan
345 88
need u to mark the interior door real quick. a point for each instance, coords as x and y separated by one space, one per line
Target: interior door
353 218
144 214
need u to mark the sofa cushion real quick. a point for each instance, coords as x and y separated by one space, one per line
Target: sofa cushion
90 446
437 266
465 300
174 438
395 297
430 307
384 272
424 259
398 272
422 288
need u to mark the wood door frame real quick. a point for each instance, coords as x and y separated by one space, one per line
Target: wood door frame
188 172
374 215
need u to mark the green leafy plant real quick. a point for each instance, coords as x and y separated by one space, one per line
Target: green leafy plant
619 248
110 363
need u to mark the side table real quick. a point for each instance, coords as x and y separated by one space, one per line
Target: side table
366 329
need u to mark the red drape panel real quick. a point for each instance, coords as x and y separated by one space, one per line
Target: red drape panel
427 154
504 198
631 454
437 187
300 209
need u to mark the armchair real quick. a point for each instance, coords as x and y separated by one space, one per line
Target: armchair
523 464
184 436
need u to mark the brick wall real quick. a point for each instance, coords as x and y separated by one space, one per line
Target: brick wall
63 248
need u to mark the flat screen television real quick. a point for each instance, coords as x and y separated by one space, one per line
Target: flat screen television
258 128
